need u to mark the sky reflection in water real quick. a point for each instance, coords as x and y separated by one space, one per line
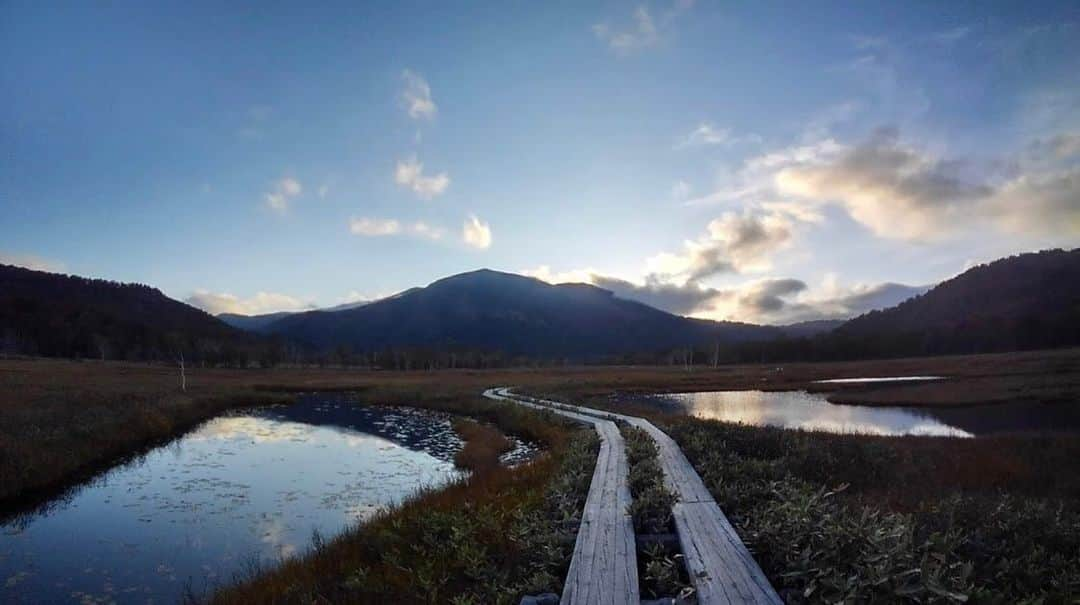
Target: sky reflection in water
240 488
809 411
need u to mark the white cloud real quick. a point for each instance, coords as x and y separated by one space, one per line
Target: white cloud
410 173
29 261
283 192
323 190
577 276
707 134
417 96
262 302
892 188
733 243
476 233
641 34
375 227
643 29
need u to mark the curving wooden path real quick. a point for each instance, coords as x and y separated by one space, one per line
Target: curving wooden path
603 569
722 569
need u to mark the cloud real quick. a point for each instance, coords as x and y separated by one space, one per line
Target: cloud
769 301
895 190
262 302
733 243
576 276
707 134
29 261
955 34
374 227
641 34
410 173
681 299
1047 203
476 233
323 190
283 192
680 190
642 31
417 96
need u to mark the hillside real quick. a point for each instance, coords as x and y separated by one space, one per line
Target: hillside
489 310
1021 302
67 316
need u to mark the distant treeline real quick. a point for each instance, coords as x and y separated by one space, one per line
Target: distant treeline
67 316
1031 301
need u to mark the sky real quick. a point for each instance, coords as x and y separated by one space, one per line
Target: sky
767 162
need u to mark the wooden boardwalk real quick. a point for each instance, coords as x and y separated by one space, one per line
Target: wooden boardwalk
603 569
722 569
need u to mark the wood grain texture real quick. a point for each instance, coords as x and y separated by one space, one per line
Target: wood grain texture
721 567
603 569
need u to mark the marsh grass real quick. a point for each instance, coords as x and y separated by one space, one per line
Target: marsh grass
660 569
489 538
484 444
870 519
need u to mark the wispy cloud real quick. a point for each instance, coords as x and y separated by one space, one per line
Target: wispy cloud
476 233
417 96
30 261
707 134
262 302
641 31
410 173
375 227
952 35
284 191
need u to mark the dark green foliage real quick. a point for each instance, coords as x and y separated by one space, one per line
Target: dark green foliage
67 316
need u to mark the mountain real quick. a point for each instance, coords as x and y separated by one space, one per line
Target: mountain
490 310
260 323
812 327
252 323
1021 302
58 315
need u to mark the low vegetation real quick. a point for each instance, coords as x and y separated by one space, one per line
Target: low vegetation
491 538
483 445
872 519
651 509
660 569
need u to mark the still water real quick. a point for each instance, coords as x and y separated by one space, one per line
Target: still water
243 488
811 411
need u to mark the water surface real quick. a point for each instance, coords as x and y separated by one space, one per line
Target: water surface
811 411
243 488
880 379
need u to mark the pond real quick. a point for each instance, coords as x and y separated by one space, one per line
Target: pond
244 489
811 411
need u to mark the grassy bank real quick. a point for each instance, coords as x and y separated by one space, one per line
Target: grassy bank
856 518
489 539
59 436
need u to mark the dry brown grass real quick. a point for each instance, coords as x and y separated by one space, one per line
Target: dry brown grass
61 421
483 445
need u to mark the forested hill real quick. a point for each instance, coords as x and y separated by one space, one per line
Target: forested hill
67 316
1021 302
517 315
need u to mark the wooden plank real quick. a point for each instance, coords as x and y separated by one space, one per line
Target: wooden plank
720 566
603 568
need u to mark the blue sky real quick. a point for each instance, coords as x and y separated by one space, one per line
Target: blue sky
766 162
